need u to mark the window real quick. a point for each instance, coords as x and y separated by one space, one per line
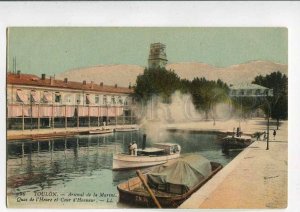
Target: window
68 98
249 92
87 99
105 99
22 96
47 97
78 98
97 99
57 97
113 100
34 96
18 97
120 100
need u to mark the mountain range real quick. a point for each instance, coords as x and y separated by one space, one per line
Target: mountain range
123 75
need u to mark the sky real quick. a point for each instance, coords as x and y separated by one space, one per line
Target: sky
53 50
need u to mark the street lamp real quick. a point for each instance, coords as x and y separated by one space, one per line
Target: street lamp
31 101
268 92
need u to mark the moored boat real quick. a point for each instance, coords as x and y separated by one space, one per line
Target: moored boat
126 129
234 142
160 153
171 184
100 131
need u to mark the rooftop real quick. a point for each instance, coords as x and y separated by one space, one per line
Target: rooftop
33 80
247 86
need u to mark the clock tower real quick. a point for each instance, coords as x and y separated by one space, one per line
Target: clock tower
157 56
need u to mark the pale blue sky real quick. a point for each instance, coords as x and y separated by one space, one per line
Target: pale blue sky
54 50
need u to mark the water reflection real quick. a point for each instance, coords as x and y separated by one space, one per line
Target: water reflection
83 163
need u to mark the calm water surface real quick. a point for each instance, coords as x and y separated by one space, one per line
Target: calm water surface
82 165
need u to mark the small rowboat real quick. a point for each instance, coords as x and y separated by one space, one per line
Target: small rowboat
168 195
159 154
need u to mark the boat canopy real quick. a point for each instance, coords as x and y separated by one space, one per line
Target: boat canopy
187 172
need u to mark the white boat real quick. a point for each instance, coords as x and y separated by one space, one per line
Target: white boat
100 131
126 129
159 154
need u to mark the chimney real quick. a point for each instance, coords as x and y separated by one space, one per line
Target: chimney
84 82
66 80
101 84
51 80
116 85
43 76
144 141
19 74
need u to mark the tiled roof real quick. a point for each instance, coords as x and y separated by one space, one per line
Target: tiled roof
33 80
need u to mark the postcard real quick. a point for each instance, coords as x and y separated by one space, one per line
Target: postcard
147 117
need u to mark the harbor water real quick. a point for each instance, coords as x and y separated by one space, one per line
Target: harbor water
77 171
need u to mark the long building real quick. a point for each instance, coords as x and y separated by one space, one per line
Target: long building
39 102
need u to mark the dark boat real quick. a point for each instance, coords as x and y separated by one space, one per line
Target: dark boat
171 184
233 142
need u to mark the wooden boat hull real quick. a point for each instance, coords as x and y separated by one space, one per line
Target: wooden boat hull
122 161
235 143
100 131
126 129
166 200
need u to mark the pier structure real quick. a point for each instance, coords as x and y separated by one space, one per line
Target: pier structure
255 178
35 103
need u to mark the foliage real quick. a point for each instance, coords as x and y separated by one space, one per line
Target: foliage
279 102
156 82
163 83
206 94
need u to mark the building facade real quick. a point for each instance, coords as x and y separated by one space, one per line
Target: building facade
40 102
255 96
157 56
249 90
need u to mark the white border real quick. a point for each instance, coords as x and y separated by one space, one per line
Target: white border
198 14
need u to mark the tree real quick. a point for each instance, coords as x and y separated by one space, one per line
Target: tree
156 82
279 102
206 94
163 83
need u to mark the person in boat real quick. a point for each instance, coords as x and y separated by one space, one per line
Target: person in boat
238 132
130 149
134 148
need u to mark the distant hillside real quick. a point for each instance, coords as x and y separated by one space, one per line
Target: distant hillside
125 74
108 74
244 72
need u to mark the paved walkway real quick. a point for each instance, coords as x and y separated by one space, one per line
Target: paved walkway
256 178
